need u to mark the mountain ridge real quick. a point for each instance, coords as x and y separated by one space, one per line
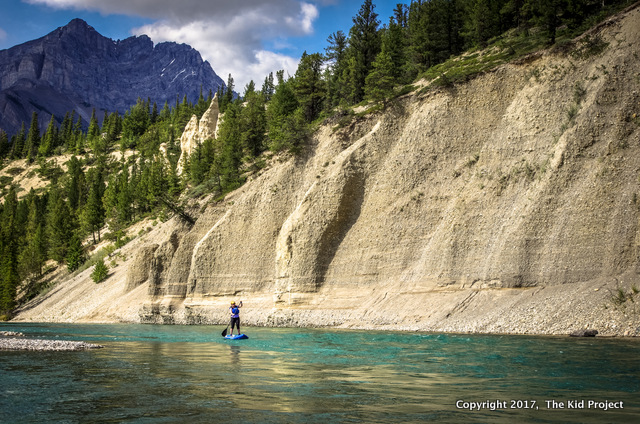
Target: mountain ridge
76 68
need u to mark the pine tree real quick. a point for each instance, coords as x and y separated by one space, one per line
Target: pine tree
268 87
220 93
115 127
249 89
184 113
283 104
380 81
336 55
202 105
308 85
514 14
50 139
203 156
254 124
59 225
17 146
485 20
173 180
124 197
159 183
141 178
110 200
227 97
9 279
9 248
33 139
5 147
76 184
93 131
21 219
231 155
66 130
335 51
395 43
350 79
154 114
165 113
100 271
78 137
33 256
135 123
549 13
93 213
364 46
75 253
417 49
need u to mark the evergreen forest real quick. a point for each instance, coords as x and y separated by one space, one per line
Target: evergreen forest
115 172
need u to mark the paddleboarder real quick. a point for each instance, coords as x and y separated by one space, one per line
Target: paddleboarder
235 315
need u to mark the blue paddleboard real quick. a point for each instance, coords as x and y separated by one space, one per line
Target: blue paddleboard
236 336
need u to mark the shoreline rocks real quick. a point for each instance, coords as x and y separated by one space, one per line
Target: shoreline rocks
11 334
584 333
13 343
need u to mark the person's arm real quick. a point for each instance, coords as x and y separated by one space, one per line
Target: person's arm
240 305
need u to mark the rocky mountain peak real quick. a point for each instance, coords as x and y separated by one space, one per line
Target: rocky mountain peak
76 68
78 26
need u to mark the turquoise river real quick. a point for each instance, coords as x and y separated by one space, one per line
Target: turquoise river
190 374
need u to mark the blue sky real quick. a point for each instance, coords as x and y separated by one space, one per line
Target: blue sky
247 38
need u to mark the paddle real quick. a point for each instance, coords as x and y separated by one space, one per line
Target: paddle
224 332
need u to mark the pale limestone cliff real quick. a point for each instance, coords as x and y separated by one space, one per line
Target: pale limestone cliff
198 131
209 121
505 204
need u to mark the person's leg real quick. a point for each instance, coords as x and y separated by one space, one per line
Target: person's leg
235 322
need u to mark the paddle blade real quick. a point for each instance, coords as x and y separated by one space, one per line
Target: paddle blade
224 332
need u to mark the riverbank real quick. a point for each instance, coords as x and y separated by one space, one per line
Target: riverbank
551 310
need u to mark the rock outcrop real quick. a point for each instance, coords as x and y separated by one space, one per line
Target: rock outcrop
141 267
76 68
507 204
198 131
584 333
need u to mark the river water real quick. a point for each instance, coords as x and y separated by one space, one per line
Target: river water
189 374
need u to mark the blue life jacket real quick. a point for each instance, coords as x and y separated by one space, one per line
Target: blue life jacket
235 312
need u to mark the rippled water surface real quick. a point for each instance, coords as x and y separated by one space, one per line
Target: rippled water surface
190 374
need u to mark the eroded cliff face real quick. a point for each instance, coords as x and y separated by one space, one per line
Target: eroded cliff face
505 204
197 131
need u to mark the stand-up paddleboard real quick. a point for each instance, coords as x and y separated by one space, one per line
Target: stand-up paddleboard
236 336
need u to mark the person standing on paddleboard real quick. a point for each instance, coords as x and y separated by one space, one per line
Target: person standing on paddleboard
235 316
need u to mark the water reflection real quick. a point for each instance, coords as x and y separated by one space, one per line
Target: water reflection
184 374
235 355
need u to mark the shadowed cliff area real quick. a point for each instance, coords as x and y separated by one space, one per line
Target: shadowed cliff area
508 203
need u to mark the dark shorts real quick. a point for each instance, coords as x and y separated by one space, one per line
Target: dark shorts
236 322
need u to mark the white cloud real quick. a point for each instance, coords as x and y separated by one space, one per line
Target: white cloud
267 61
231 35
3 34
308 13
